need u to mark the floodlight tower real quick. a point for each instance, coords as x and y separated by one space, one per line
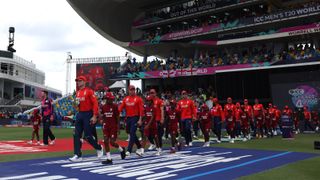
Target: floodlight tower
11 40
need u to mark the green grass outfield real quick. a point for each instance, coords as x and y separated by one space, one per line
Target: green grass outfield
301 170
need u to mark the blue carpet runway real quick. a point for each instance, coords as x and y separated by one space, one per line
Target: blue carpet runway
192 163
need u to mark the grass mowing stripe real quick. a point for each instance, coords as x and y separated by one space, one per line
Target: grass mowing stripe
235 166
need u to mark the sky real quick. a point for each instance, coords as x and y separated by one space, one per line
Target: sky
45 30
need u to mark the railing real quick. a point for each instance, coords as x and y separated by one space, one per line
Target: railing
23 61
14 101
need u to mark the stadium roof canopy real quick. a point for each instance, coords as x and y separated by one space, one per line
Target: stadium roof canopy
113 18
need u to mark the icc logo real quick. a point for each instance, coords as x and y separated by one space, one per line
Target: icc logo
296 92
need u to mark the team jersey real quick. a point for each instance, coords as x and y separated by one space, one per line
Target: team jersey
36 120
149 114
287 112
315 117
272 113
87 101
187 109
205 116
133 106
258 110
238 113
307 115
229 110
110 114
47 109
217 111
172 116
249 111
158 104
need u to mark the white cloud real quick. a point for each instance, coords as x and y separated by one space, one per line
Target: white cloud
46 30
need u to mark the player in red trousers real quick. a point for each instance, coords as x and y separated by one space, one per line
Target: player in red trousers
237 114
249 113
150 125
258 113
159 114
307 118
315 119
172 116
268 120
36 121
110 127
229 112
205 123
245 123
296 121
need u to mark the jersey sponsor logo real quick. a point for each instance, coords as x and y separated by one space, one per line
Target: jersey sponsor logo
108 114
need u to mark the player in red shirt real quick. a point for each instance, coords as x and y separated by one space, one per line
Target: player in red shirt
217 117
172 116
315 119
150 124
237 114
205 123
188 114
36 121
133 105
307 118
287 111
258 113
88 112
249 116
275 118
110 127
229 112
244 116
159 114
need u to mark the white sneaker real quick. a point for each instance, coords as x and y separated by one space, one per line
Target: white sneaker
29 142
232 140
140 138
128 154
249 136
229 137
275 133
52 142
142 151
38 143
190 144
81 140
75 158
317 128
100 153
158 153
218 141
139 152
244 139
151 147
206 144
